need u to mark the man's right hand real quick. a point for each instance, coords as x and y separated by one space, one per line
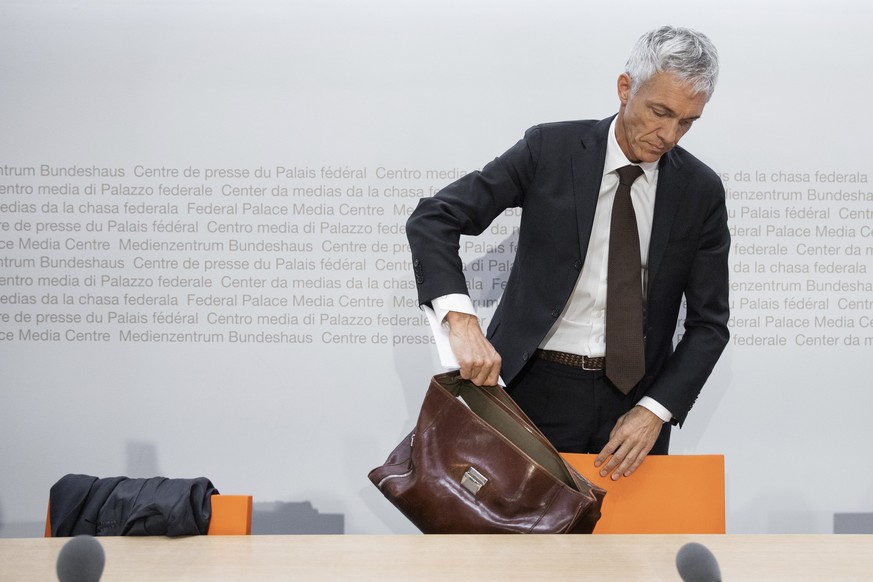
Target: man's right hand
479 361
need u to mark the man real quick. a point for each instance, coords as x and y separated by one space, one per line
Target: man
547 339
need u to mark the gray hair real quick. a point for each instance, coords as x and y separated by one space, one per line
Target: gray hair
685 53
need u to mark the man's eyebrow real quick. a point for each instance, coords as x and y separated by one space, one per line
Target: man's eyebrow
667 110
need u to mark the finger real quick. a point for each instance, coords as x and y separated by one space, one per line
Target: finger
611 446
469 371
625 454
638 453
481 377
623 462
614 463
605 453
470 362
630 464
484 370
493 375
477 365
633 467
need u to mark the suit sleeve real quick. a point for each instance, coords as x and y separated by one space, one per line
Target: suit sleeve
466 207
707 311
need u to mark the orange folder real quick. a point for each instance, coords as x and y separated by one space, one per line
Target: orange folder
669 494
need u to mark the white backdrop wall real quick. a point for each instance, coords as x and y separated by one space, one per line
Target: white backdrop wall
204 270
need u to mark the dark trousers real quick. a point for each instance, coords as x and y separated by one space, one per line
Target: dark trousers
576 409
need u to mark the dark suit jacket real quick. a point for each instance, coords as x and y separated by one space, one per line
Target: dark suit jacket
120 506
554 174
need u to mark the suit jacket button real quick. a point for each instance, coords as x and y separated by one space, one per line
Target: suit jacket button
577 265
525 356
555 313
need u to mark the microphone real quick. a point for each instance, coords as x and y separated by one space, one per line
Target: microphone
697 564
81 560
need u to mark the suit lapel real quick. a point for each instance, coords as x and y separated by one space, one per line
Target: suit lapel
587 175
672 185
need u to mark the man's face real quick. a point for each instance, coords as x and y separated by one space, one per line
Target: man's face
653 120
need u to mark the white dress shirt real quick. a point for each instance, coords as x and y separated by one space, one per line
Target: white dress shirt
581 328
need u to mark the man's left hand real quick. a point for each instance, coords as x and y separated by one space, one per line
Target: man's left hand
631 439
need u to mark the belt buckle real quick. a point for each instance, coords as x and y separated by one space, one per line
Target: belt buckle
585 360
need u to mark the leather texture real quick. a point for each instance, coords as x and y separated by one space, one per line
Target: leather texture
476 464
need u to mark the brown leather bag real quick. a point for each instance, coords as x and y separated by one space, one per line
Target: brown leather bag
476 464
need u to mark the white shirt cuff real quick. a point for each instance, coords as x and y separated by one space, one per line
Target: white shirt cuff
452 302
436 317
655 408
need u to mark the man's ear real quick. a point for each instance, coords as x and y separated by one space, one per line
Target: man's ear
624 88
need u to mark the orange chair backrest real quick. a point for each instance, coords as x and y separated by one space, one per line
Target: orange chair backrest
231 516
669 494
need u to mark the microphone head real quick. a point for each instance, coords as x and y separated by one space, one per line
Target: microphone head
697 564
81 560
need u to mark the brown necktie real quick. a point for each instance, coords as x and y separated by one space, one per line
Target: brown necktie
625 355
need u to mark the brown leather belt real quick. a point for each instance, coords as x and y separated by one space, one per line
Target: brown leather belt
574 360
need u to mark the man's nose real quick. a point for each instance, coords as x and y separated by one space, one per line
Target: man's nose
670 132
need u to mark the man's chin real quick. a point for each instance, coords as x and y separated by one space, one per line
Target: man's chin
651 154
